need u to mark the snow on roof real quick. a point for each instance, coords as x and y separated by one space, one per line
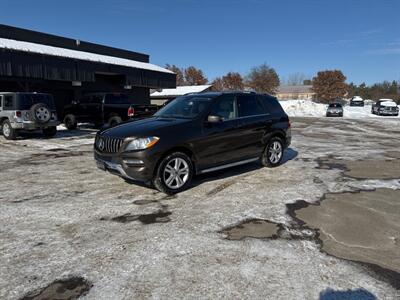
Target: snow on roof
63 52
180 91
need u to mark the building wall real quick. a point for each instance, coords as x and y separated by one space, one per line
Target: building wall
288 96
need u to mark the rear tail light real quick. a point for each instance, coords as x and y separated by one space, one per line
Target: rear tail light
18 114
131 112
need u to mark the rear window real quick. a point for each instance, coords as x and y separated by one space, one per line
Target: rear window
118 99
272 105
26 101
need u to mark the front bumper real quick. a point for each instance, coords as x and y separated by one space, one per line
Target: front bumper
389 113
30 125
133 166
334 114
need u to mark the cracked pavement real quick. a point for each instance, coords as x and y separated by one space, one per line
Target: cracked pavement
61 218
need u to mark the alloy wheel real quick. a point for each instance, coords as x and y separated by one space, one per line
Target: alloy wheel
176 173
275 152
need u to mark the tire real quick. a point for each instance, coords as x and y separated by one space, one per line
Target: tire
40 113
9 132
274 145
50 131
70 122
114 121
162 179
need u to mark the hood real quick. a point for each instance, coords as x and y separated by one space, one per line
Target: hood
146 127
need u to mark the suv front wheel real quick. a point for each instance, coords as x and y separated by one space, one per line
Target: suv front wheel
9 132
174 173
273 153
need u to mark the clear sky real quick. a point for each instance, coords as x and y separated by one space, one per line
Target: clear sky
360 37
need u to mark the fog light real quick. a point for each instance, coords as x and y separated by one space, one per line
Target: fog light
133 162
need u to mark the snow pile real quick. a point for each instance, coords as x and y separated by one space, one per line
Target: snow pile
303 108
307 108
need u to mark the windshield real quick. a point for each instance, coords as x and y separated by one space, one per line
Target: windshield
337 105
186 107
25 101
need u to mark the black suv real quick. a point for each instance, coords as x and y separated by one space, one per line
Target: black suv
196 134
105 108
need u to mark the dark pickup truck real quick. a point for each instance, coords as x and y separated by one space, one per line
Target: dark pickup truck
105 108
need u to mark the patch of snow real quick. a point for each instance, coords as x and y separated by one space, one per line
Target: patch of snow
308 108
63 52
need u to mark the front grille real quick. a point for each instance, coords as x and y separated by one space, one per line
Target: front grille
108 144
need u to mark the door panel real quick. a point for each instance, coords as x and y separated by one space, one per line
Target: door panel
253 122
220 142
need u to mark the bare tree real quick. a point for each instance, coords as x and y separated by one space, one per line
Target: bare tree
180 80
230 82
296 79
194 76
330 85
263 79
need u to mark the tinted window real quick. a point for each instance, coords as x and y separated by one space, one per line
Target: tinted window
337 105
225 107
1 101
249 105
272 105
26 101
8 102
186 107
118 99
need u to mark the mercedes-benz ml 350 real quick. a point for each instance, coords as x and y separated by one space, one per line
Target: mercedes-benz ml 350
196 134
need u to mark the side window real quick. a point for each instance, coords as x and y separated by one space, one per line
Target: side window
1 102
8 102
249 105
225 107
272 105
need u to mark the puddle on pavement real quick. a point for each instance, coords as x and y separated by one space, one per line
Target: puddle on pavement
71 288
358 226
158 217
254 228
361 226
362 169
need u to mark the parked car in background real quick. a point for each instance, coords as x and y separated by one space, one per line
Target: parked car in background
385 107
356 101
196 134
334 110
28 112
105 108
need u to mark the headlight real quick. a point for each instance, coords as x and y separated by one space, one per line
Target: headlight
142 143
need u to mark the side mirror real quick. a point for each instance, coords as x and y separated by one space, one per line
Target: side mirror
214 119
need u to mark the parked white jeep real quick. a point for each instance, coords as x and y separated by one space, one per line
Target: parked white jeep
27 111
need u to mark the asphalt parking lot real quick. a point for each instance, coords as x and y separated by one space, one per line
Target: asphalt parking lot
324 224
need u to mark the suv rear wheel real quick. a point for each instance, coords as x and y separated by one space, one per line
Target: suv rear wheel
273 153
70 122
9 132
174 173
